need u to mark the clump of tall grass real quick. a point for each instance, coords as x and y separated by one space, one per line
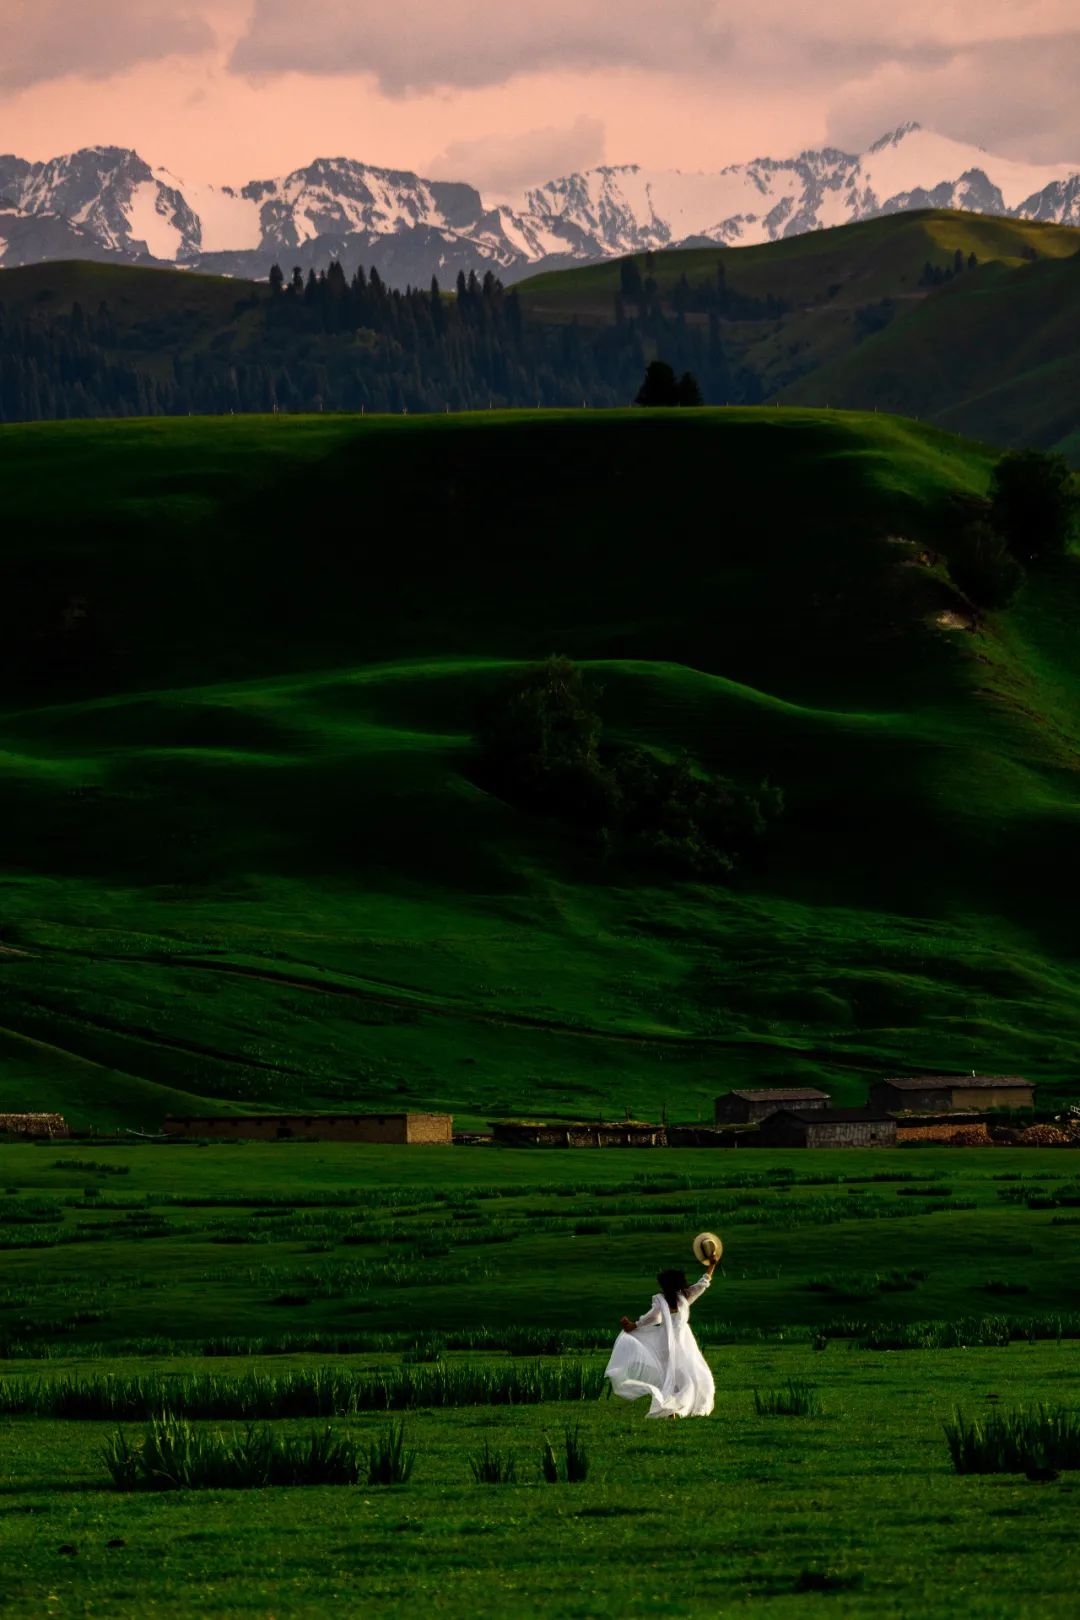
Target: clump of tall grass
572 1466
966 1332
302 1392
390 1462
174 1455
493 1467
795 1399
1031 1440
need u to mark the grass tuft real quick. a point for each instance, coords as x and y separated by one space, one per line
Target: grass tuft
1035 1441
795 1399
492 1467
390 1462
175 1455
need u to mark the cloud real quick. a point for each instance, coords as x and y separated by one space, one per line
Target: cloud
46 39
503 165
418 45
1016 97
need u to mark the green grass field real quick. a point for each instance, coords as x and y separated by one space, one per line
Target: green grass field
245 859
856 1509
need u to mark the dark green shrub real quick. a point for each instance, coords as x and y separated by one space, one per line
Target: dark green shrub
1034 504
982 565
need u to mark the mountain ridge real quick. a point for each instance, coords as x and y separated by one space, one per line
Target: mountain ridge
116 204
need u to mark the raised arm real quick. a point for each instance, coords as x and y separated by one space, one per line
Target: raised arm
696 1290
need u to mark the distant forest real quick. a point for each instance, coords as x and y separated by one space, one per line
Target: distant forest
330 343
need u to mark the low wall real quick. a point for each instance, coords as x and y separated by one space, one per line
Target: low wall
34 1125
384 1128
578 1135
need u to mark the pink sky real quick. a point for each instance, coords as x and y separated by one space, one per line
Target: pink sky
230 90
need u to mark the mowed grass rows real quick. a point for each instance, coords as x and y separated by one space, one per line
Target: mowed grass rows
346 1248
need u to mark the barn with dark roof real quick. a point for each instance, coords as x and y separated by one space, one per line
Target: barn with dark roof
951 1093
744 1107
827 1128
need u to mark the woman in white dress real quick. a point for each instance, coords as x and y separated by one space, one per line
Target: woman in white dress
658 1355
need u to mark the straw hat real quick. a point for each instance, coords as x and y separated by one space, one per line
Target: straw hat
707 1246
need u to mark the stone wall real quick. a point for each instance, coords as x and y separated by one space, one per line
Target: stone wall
851 1133
510 1133
935 1099
34 1125
383 1128
993 1097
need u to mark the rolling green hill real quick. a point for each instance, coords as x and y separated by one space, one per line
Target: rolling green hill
870 260
963 320
246 861
994 351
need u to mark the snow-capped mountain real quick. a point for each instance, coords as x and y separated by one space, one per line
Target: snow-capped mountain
107 201
110 193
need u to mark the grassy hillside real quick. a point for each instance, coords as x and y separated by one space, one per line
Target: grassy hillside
964 320
994 352
869 260
246 862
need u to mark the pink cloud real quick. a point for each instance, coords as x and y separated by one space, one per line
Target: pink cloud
47 39
505 164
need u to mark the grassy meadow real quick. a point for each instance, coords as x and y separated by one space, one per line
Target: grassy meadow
248 862
246 859
151 1276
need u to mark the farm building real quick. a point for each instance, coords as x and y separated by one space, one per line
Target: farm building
34 1125
388 1128
577 1133
827 1128
950 1093
743 1107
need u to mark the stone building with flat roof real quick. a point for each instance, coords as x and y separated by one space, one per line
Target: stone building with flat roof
387 1128
827 1128
951 1093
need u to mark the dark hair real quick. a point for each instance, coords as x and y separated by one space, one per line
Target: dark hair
673 1285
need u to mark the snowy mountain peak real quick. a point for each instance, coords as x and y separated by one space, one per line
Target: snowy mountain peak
110 192
895 136
107 201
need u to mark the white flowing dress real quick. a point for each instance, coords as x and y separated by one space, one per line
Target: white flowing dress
661 1359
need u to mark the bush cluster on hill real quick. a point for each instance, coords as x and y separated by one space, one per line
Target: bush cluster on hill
1028 520
541 746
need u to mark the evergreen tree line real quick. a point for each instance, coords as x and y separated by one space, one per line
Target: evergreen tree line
331 342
